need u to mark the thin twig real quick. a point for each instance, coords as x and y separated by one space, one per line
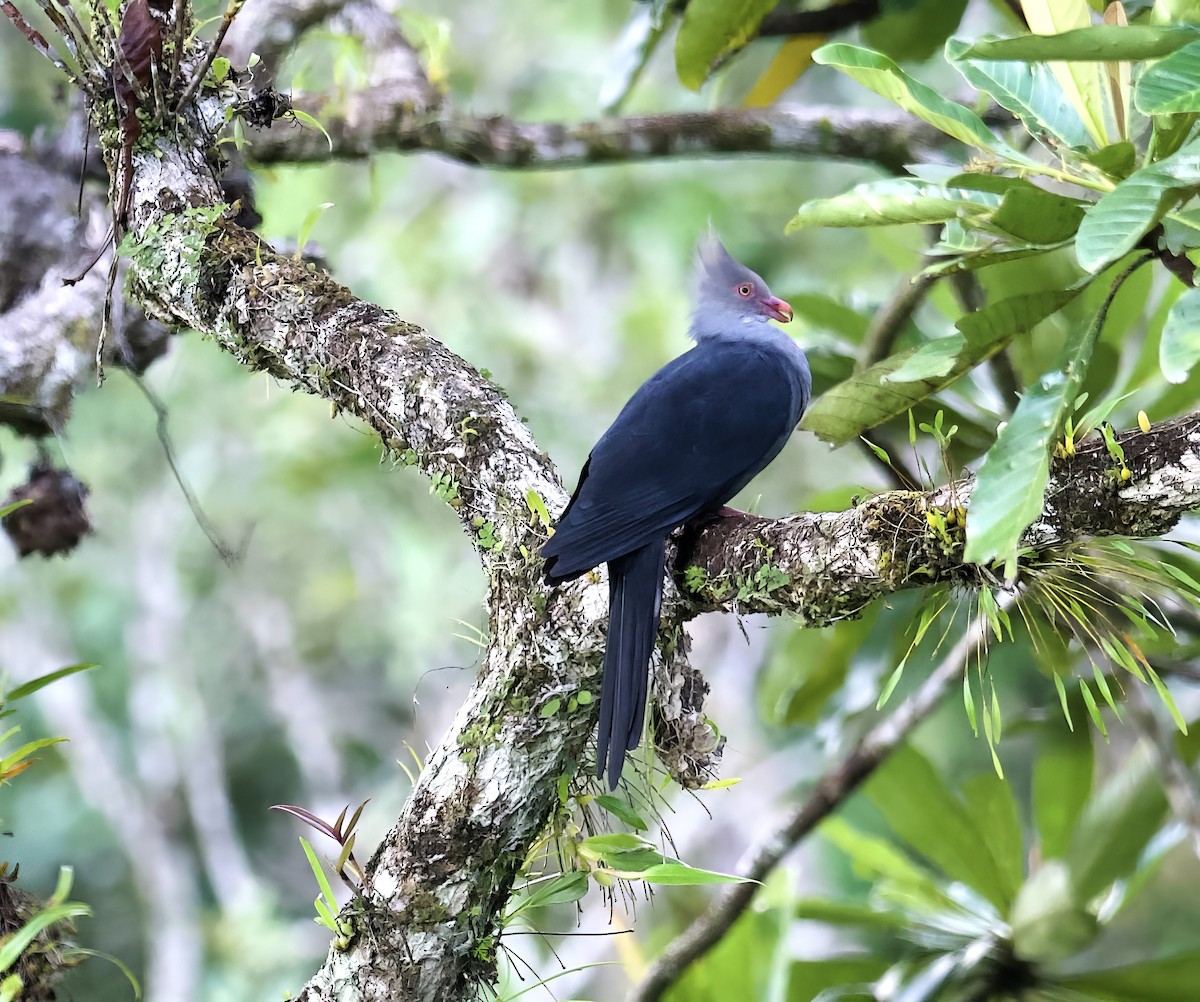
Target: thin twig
831 791
38 41
181 33
891 319
232 556
231 11
819 22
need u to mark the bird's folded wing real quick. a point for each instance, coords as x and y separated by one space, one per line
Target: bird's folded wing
687 441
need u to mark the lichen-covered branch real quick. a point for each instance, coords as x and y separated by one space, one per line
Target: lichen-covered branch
48 331
370 122
426 925
828 566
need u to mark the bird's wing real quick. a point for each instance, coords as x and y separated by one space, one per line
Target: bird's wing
690 438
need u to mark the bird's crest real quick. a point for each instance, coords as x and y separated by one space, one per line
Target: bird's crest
714 262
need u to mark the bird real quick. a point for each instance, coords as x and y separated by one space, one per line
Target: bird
689 439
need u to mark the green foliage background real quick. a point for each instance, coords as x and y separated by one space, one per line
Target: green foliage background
344 638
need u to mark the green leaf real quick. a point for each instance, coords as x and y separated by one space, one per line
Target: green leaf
563 888
9 761
1115 827
870 397
929 361
8 509
880 74
1008 490
307 224
1171 85
304 118
1115 224
889 202
15 944
1062 783
681 873
918 807
33 685
1049 922
711 30
1168 979
828 314
809 979
1029 90
319 873
913 30
993 808
846 914
1118 160
1081 84
619 809
875 857
1100 43
1179 348
600 846
1036 216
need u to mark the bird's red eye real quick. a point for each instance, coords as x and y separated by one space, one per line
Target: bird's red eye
745 289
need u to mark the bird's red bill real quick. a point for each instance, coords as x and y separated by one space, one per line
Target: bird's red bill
779 310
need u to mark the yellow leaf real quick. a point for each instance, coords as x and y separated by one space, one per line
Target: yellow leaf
1081 82
1118 73
789 64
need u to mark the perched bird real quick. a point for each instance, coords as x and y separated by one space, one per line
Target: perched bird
689 439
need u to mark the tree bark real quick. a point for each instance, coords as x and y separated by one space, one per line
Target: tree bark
427 924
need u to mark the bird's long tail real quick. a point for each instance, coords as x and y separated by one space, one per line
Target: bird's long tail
634 598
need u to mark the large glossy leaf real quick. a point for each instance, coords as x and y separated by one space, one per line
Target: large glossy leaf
1029 90
712 29
1179 348
930 361
1082 83
889 202
913 31
918 807
1115 827
1116 223
876 71
1097 44
1037 217
1170 979
870 397
1170 85
1012 480
1062 782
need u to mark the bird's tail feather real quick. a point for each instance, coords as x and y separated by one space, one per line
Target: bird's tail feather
635 597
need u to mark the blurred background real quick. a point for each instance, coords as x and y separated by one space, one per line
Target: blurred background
322 667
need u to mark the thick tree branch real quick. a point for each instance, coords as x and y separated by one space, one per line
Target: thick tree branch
439 880
829 566
371 122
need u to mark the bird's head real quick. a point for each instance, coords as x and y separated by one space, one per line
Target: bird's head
728 295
